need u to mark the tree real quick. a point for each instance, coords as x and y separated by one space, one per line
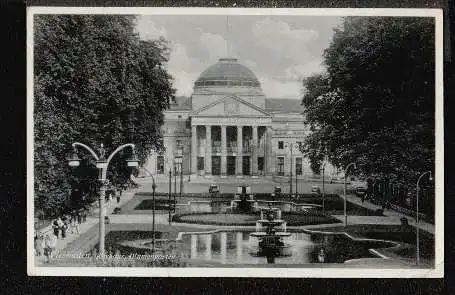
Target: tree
375 103
95 82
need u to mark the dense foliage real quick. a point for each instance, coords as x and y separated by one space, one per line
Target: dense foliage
375 103
95 82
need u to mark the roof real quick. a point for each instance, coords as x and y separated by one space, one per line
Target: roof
283 105
227 72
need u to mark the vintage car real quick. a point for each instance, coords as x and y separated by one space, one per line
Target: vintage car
360 191
316 190
213 189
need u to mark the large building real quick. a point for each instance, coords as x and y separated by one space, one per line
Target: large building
228 127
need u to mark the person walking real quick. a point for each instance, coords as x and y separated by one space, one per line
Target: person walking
75 225
36 243
84 215
79 217
56 228
39 245
64 227
50 243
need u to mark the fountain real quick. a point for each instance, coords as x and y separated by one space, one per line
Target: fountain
271 243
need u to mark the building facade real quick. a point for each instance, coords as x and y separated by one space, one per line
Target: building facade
228 127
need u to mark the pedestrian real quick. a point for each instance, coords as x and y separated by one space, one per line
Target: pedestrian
50 243
363 198
110 198
56 227
39 245
74 215
118 198
64 228
35 243
79 217
74 225
84 215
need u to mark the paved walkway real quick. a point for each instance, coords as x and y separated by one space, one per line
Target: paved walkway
391 216
85 226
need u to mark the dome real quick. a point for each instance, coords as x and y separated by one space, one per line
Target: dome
227 72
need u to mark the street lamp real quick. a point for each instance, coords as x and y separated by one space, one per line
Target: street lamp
345 196
153 213
417 216
323 187
102 164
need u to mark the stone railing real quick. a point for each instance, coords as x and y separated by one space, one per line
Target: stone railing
231 149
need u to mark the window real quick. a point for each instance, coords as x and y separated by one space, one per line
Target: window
178 143
298 166
299 145
280 145
280 166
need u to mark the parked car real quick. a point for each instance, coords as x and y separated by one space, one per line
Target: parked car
360 191
213 189
276 192
315 190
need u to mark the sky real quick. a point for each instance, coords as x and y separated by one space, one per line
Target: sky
280 50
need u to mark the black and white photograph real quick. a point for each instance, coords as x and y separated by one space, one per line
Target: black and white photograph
235 142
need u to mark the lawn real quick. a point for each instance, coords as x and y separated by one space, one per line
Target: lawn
396 233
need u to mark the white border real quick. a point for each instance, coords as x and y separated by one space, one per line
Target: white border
246 272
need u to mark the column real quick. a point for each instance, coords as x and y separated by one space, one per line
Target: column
223 247
208 150
254 153
239 159
270 163
193 246
239 241
223 152
194 151
208 246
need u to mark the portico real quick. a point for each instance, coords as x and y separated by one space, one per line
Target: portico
228 146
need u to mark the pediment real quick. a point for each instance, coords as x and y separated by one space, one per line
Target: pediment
231 106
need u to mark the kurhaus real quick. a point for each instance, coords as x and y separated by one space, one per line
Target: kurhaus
229 128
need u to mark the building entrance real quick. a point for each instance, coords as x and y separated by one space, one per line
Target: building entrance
246 165
230 165
261 165
216 165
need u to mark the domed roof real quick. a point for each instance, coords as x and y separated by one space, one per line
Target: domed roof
227 72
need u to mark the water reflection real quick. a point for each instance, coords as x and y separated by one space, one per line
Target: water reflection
237 248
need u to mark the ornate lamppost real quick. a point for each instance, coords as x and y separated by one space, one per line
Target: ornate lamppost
417 216
102 164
